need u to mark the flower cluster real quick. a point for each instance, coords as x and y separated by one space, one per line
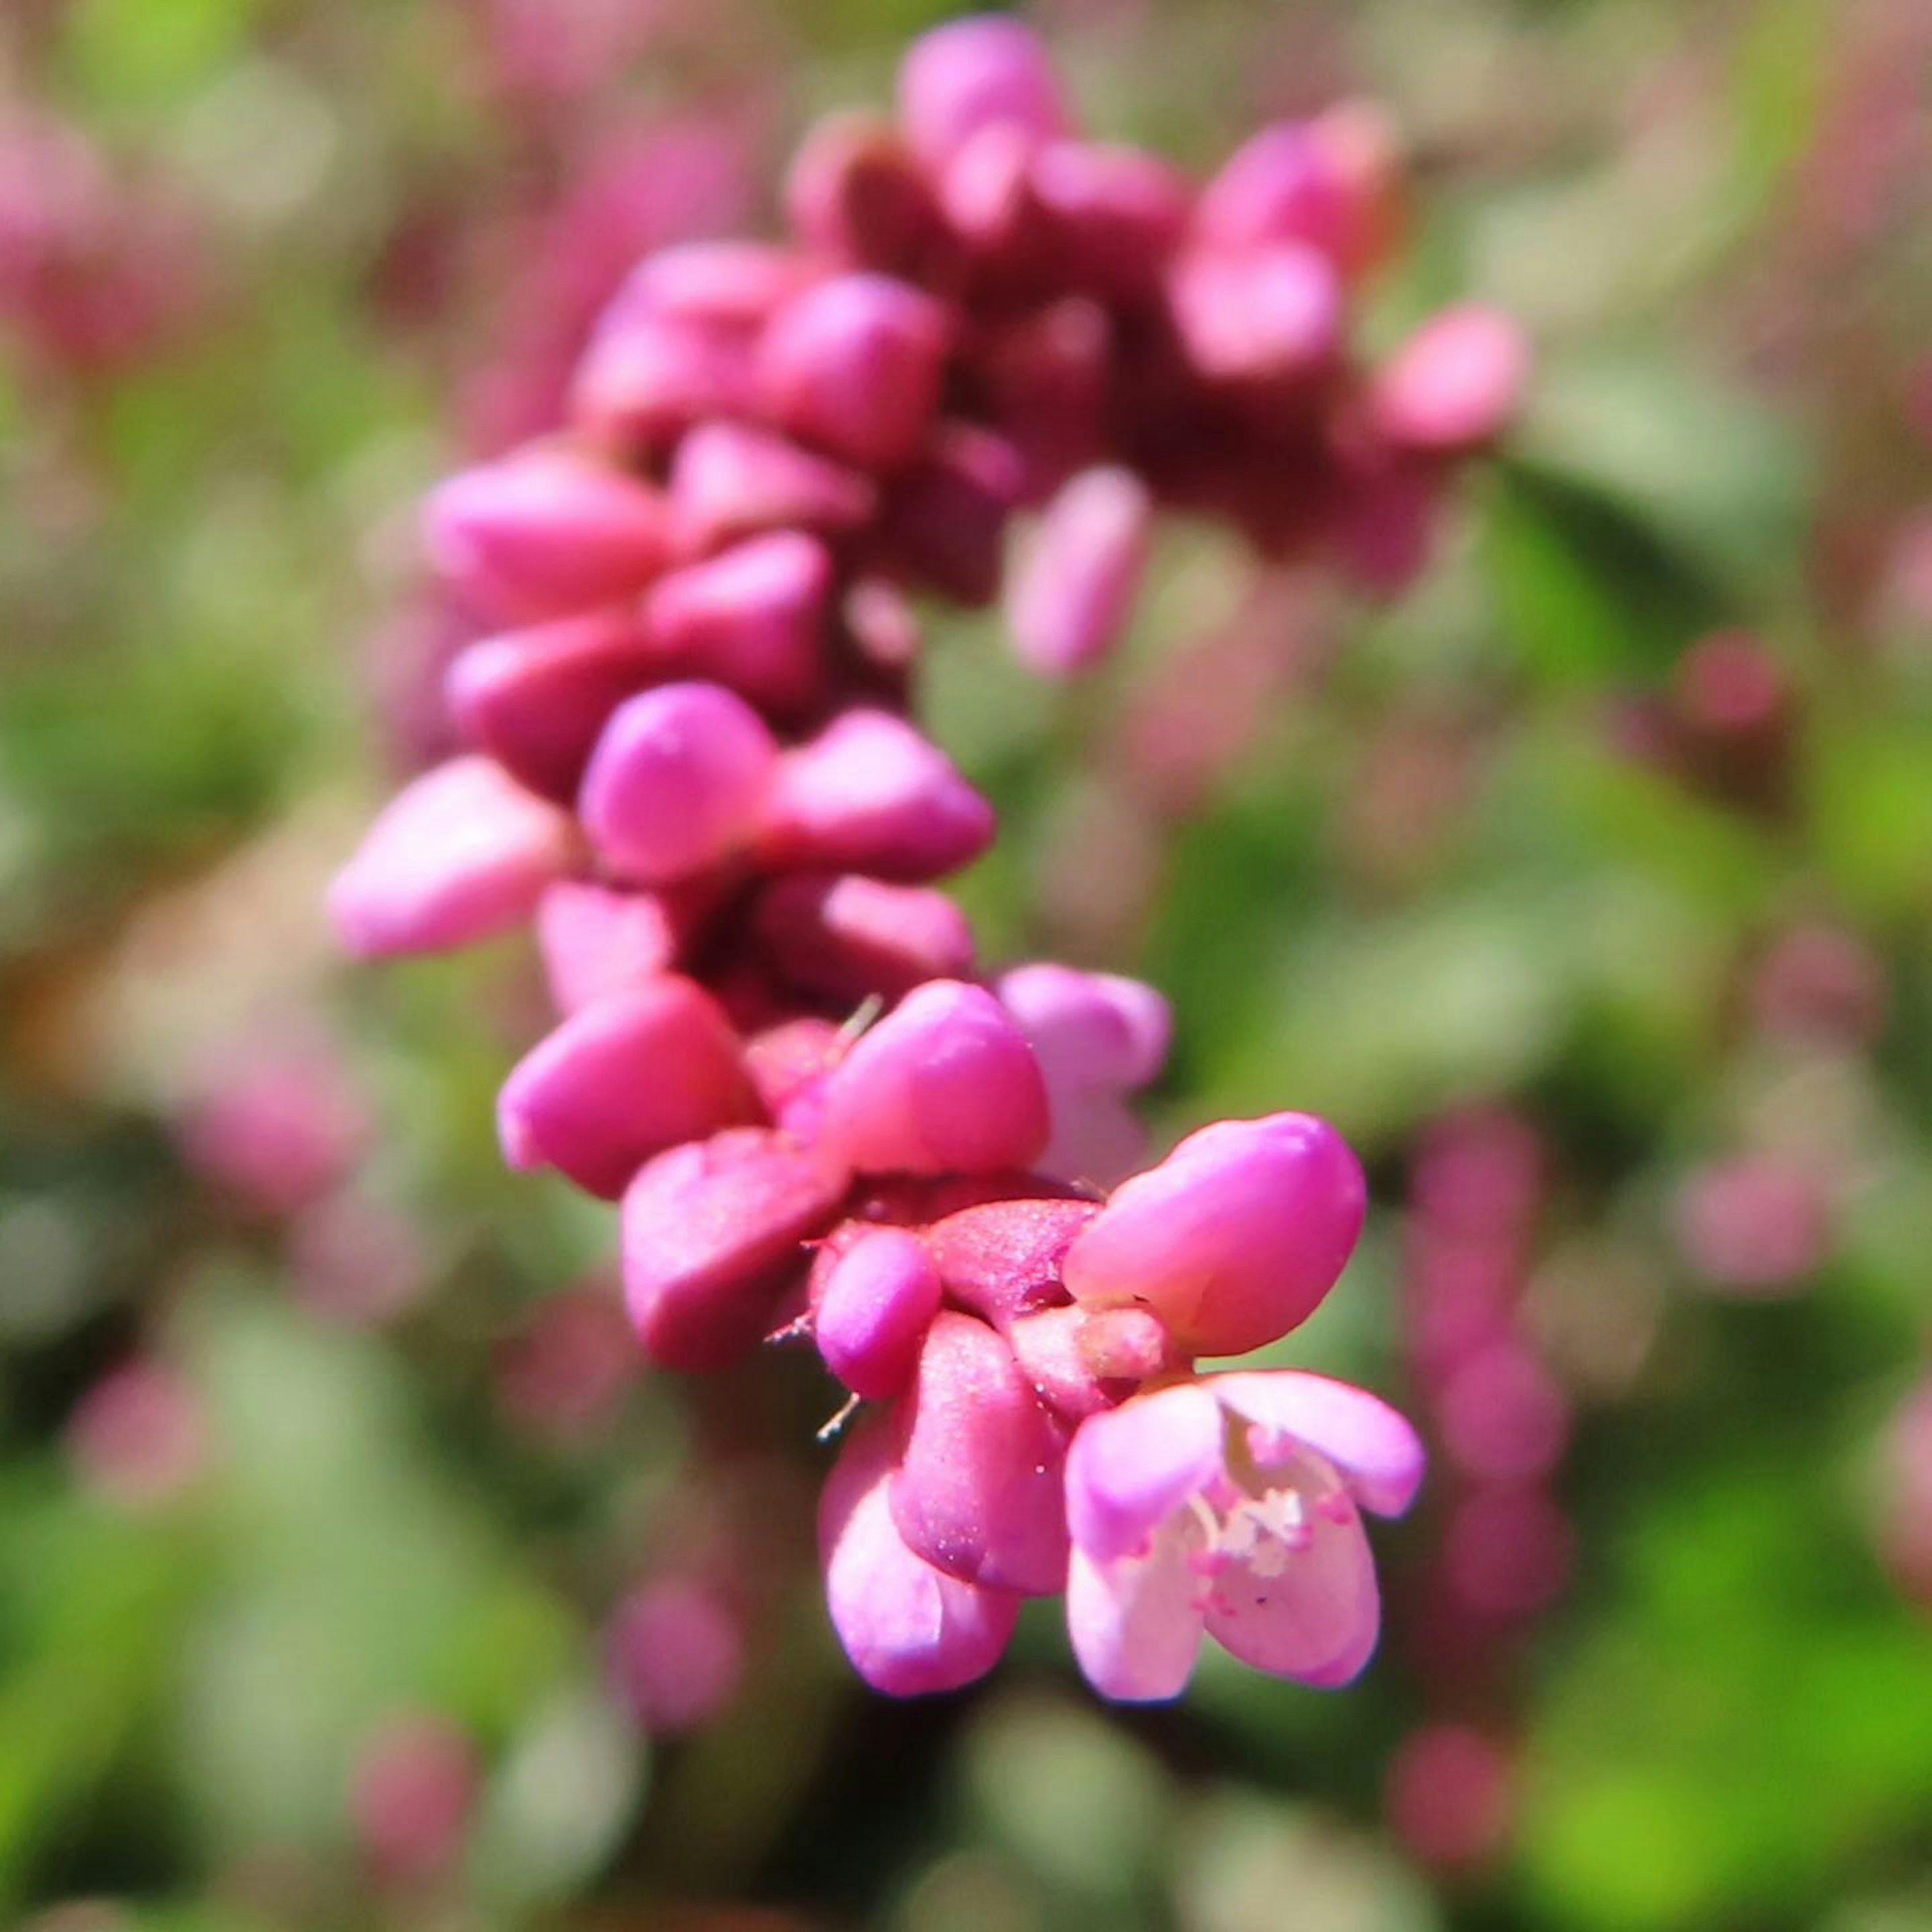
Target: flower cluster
693 771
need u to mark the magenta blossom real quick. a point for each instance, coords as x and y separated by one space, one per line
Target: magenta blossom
1231 1506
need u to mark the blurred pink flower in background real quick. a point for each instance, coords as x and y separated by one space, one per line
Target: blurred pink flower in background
411 1793
675 1654
1755 1225
139 1438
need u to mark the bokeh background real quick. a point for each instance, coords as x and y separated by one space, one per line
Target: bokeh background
352 1572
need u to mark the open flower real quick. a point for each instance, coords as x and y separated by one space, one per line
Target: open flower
1230 1505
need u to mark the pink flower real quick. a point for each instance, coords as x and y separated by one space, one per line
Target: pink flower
1071 603
1231 1506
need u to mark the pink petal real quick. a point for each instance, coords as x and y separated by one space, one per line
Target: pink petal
910 1630
1317 1621
1375 1449
1130 1469
1135 1625
732 480
460 854
845 936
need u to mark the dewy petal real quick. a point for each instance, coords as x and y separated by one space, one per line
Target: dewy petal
1316 1618
1135 1624
909 1629
1376 1451
1131 1468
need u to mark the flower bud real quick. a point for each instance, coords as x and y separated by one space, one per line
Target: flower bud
1457 382
752 619
1266 318
847 937
1075 593
944 1084
856 195
461 854
545 532
622 1080
986 70
1234 1239
909 1629
1001 1259
869 794
536 699
944 521
854 366
678 782
978 1491
871 1309
596 940
730 480
712 1239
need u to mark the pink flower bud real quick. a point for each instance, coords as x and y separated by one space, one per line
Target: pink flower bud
461 854
1089 1028
1114 214
881 626
731 285
945 1084
1266 318
1280 185
1002 1259
650 378
854 366
730 480
869 794
545 532
1457 383
712 1236
752 618
1072 600
1234 1239
620 1081
1503 1416
944 521
910 1629
978 1493
595 940
871 1309
856 193
847 937
1097 1037
564 1376
536 699
678 782
984 71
